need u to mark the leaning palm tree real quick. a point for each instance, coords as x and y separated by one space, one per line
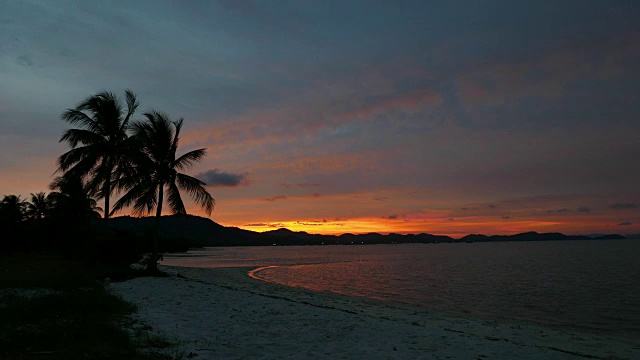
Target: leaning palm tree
100 143
38 207
156 170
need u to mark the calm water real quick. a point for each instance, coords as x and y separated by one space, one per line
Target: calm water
592 285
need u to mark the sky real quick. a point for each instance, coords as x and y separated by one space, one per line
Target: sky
446 117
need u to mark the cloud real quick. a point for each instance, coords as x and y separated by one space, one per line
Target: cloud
300 185
584 209
558 211
275 198
626 223
491 206
392 217
315 195
217 178
271 225
506 217
310 223
407 102
624 206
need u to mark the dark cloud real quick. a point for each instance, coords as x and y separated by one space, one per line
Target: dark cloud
491 206
584 209
217 178
558 211
392 217
25 60
541 200
314 221
626 223
506 217
300 185
275 198
624 206
381 198
271 225
310 223
315 195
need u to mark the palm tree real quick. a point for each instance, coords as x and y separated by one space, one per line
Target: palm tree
100 143
12 209
38 207
156 170
70 200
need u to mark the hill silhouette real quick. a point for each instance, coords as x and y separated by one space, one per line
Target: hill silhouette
205 232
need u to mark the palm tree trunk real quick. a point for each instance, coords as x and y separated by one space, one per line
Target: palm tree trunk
152 265
107 191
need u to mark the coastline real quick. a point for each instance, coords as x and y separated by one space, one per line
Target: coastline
224 313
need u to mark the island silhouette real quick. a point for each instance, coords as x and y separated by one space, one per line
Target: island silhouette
199 232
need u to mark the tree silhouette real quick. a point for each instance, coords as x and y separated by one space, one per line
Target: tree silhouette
11 216
71 201
156 170
12 209
100 143
38 207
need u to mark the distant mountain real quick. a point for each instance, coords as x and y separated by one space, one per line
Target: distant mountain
534 236
609 236
205 232
197 229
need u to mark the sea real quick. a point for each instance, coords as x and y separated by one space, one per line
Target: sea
587 285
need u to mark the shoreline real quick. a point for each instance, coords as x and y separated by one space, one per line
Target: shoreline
224 313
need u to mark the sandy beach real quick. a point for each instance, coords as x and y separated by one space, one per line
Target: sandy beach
225 314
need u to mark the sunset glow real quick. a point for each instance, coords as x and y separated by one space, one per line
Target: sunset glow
416 125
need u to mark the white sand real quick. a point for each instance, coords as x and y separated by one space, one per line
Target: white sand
224 314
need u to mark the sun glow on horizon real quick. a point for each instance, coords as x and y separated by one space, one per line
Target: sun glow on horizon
363 226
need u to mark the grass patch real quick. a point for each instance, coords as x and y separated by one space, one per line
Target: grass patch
77 318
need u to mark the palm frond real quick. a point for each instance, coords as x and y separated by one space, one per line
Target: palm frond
176 135
195 189
80 136
75 116
146 202
133 196
81 159
158 135
187 160
174 200
132 105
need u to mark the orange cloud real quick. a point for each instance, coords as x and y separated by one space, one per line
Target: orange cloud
405 102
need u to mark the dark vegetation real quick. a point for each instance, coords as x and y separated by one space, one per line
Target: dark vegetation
75 317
